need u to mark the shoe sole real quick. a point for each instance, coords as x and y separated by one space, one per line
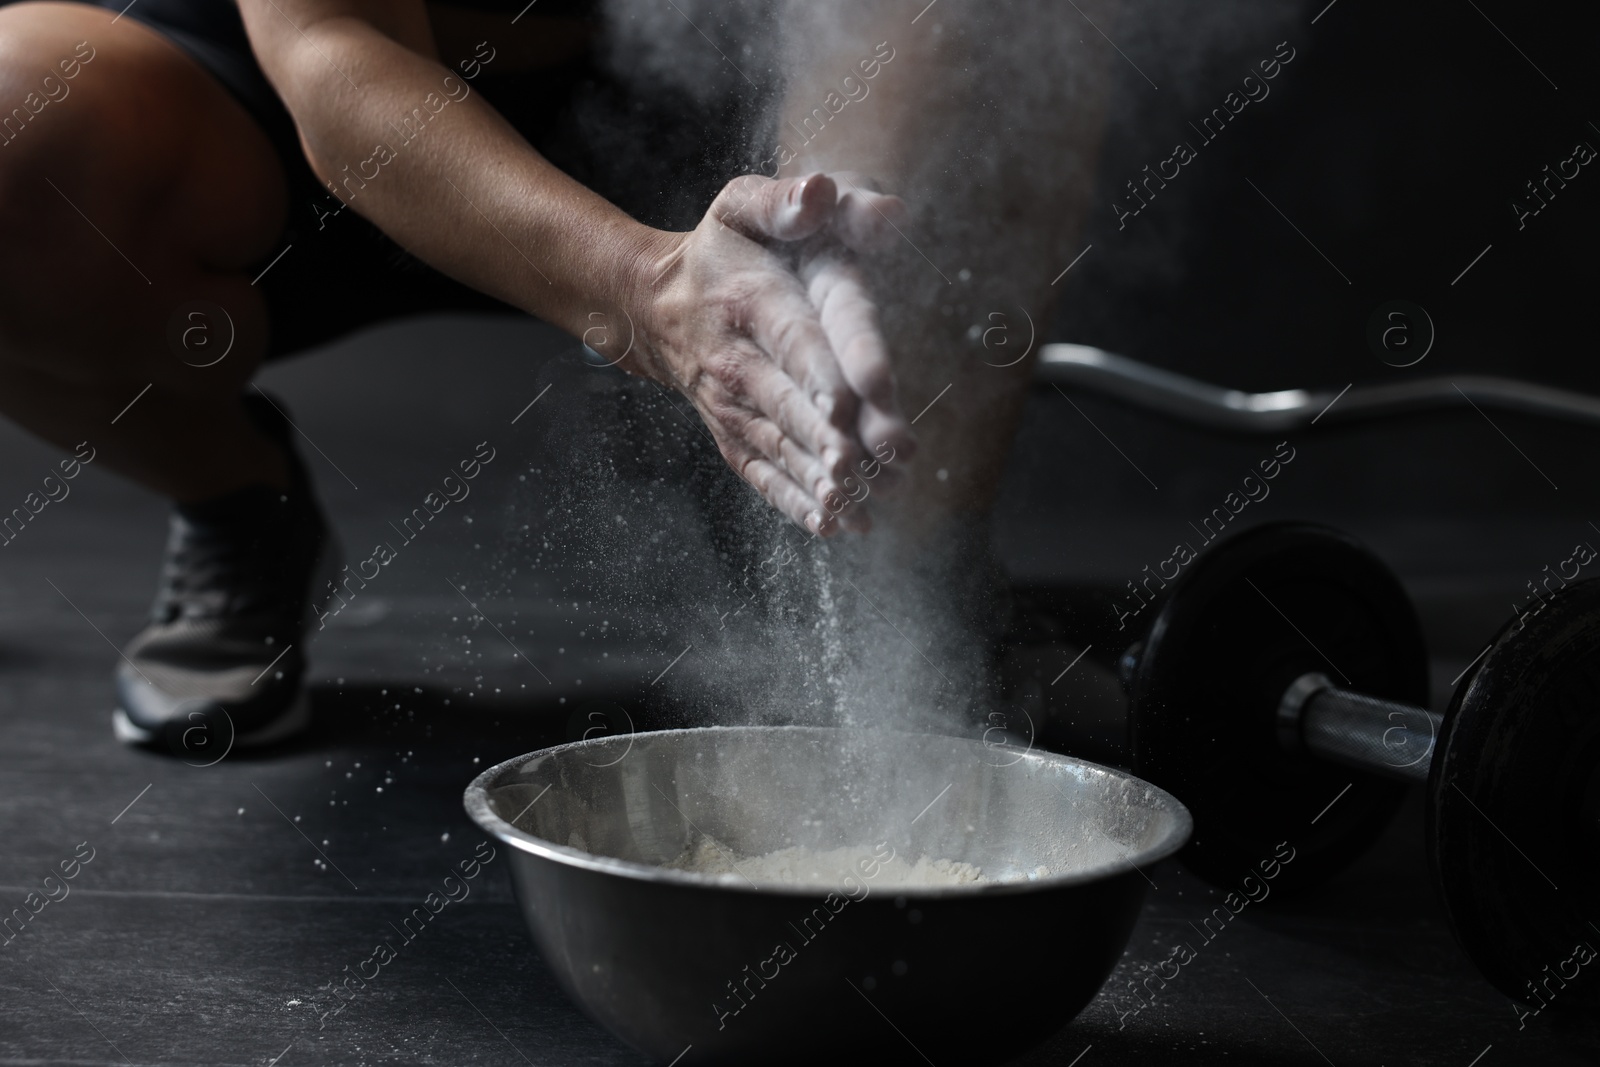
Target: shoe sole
293 721
297 718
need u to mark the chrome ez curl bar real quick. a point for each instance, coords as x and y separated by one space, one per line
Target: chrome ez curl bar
1217 407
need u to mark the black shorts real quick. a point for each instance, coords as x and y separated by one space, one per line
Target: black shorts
332 274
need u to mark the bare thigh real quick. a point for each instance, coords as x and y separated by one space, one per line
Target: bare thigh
132 187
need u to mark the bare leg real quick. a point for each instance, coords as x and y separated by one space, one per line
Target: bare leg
144 188
986 121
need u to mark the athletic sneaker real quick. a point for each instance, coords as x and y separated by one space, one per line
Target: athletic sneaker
221 665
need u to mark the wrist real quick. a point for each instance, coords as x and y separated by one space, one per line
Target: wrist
645 258
642 263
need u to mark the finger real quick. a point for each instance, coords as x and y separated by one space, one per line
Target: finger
887 430
744 378
784 209
865 218
849 318
775 395
785 324
869 222
837 496
848 506
801 466
740 434
779 490
835 486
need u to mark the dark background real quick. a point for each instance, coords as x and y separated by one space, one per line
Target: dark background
1394 141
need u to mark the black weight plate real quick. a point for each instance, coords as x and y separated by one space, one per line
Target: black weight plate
1514 806
1243 621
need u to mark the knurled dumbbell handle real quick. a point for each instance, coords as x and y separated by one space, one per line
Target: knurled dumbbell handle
1378 736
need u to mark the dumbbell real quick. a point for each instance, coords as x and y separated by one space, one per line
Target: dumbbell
1281 693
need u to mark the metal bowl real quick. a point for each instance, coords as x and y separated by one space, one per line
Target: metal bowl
694 968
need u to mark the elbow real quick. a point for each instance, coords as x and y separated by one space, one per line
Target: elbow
308 76
341 181
320 166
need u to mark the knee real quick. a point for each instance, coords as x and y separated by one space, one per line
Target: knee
27 98
47 259
58 118
45 51
105 199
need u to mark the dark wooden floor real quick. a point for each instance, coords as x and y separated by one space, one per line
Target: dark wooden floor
222 902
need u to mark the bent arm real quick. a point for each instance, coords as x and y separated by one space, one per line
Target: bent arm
409 145
719 312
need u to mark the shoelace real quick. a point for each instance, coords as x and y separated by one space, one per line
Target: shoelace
212 571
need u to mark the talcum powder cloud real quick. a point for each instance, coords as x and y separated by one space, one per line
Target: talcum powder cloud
854 631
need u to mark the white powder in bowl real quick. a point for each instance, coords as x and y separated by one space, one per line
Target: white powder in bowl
825 869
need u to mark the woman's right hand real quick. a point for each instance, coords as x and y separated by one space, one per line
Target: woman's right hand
721 316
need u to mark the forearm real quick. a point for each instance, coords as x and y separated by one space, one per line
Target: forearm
718 312
410 146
